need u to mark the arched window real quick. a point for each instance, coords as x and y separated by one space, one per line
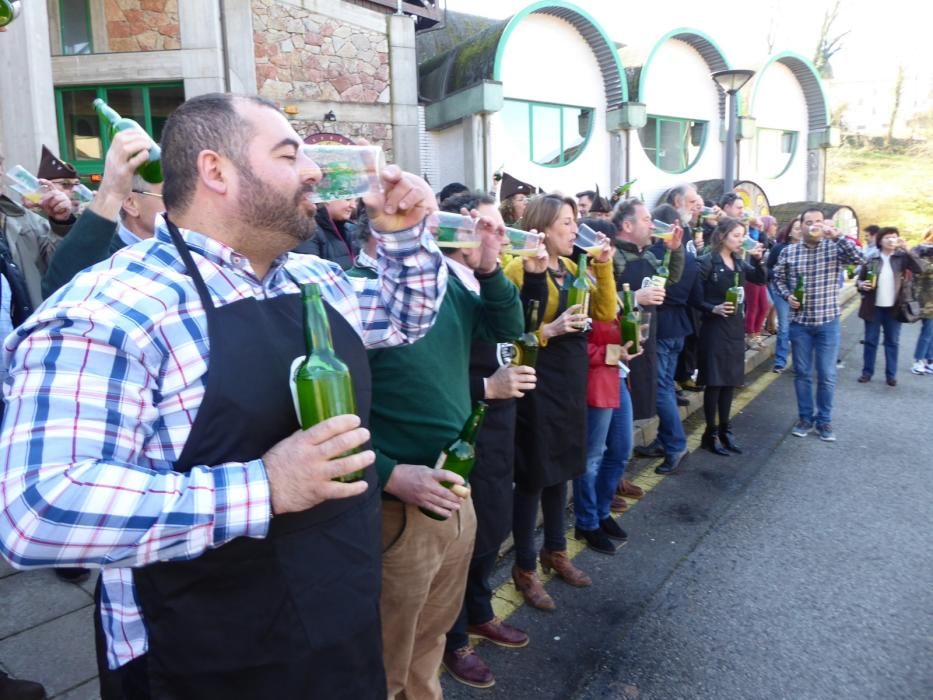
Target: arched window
673 144
553 135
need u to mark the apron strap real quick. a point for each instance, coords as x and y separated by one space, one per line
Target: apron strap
193 271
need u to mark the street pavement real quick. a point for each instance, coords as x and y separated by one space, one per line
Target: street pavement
801 569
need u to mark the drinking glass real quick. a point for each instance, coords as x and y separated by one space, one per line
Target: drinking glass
454 230
348 172
588 240
522 242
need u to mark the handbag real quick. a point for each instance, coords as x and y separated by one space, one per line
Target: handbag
908 306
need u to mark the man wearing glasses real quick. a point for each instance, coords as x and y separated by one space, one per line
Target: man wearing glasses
122 213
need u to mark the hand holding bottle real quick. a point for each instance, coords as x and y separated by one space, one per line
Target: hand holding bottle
626 354
510 382
794 303
128 151
301 468
650 296
571 321
421 486
727 308
404 203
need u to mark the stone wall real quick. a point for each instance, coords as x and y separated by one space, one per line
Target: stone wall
376 134
142 25
302 56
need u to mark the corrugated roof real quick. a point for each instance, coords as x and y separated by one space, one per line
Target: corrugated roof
812 91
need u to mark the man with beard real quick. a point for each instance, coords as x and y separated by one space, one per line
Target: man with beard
150 429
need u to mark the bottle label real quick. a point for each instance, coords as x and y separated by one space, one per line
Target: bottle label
441 461
658 281
507 354
740 295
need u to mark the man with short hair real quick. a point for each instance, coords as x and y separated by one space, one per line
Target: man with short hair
584 202
816 262
732 205
421 401
156 435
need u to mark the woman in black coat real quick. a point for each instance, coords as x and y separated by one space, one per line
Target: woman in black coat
722 335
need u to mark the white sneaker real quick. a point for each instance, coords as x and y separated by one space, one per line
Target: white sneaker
919 368
928 368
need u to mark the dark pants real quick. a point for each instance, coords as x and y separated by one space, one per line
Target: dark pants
882 318
553 500
688 359
717 398
477 605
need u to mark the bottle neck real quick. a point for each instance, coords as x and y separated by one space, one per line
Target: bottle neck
628 301
108 112
581 267
531 320
317 328
471 427
667 258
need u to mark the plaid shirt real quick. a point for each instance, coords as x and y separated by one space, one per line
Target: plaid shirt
105 381
821 267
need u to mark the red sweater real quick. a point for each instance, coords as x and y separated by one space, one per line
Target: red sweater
602 386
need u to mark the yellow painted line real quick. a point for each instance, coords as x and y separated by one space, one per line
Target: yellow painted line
506 599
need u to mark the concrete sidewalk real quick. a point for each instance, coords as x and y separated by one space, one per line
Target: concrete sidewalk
46 627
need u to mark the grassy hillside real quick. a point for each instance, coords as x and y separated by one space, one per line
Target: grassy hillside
884 188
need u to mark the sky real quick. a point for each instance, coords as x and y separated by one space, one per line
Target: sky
879 39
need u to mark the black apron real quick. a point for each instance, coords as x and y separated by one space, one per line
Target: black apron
722 338
294 615
550 433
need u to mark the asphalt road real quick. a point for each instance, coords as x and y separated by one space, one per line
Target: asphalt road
801 569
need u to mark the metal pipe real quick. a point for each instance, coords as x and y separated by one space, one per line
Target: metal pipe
728 179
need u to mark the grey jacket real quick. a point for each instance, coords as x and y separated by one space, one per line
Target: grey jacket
31 240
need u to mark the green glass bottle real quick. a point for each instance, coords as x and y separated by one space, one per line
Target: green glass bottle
151 170
850 271
628 321
800 290
322 381
9 10
734 294
460 455
579 292
527 344
870 277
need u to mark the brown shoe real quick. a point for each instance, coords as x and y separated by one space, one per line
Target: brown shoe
465 666
561 564
627 488
531 589
498 632
618 504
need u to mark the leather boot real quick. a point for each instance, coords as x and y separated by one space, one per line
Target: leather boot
728 439
561 564
710 441
531 589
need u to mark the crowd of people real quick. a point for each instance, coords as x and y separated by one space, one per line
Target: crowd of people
149 429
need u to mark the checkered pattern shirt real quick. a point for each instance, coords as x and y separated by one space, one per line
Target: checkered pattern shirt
821 267
105 381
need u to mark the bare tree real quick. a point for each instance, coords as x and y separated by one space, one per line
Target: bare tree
898 91
828 46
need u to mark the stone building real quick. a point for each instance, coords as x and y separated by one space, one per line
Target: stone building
345 66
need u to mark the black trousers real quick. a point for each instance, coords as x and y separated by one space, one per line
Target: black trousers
688 360
477 604
553 501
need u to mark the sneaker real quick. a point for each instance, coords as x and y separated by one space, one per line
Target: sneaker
653 450
919 367
777 370
612 529
597 540
928 368
825 431
802 428
466 666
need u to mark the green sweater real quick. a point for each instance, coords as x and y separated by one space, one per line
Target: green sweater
421 392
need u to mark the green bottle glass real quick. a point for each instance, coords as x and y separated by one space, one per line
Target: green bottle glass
151 170
322 381
579 292
9 10
460 455
527 344
628 321
800 290
870 277
734 293
850 271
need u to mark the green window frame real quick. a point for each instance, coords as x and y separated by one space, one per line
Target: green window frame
764 136
688 134
61 27
555 118
87 122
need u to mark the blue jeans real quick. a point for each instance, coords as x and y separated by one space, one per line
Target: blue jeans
619 443
586 486
815 347
883 317
924 349
782 307
670 430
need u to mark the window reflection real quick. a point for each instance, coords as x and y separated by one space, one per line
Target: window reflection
671 143
76 27
552 135
775 150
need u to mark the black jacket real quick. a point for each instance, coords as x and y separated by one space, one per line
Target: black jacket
333 240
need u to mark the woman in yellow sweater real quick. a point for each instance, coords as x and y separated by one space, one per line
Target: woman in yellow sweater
551 426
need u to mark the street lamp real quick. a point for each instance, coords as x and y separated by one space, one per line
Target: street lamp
731 81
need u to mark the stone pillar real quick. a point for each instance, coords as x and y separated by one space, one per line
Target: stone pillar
403 82
27 98
618 158
473 153
816 174
200 29
240 59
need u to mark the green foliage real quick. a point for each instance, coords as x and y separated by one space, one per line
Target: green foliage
883 187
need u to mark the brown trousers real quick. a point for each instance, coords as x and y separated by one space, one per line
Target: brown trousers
424 573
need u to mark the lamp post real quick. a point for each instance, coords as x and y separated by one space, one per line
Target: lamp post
731 81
